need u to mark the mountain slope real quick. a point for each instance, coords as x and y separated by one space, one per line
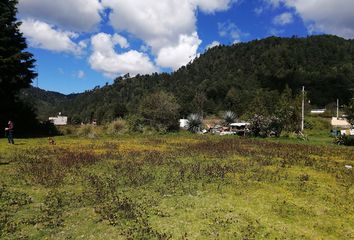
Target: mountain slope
46 103
229 77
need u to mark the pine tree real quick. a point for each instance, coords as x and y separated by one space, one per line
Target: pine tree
16 64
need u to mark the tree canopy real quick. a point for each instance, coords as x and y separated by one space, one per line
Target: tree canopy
16 67
246 78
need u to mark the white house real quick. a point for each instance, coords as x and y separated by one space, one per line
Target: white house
59 120
318 111
340 122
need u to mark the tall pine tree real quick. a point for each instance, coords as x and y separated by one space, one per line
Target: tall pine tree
16 68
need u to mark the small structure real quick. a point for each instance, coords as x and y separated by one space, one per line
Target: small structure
240 128
217 129
59 120
342 127
318 111
183 123
347 132
340 123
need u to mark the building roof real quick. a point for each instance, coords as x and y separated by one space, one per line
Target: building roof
340 122
243 124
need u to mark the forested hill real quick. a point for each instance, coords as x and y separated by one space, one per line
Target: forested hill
46 103
227 78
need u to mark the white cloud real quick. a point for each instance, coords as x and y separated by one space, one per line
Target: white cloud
83 43
328 16
144 48
275 31
179 55
230 30
283 19
274 3
120 40
75 15
157 23
210 6
80 74
162 24
106 60
213 44
45 36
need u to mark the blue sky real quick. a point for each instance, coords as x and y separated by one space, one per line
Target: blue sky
80 44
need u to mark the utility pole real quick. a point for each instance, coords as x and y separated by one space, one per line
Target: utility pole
303 109
337 108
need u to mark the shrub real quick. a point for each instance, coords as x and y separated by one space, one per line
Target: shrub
40 170
87 131
69 159
68 129
135 123
262 126
344 140
160 110
317 123
195 122
229 117
118 210
117 127
52 210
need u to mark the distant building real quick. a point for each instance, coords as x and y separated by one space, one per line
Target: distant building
340 123
318 111
347 132
59 120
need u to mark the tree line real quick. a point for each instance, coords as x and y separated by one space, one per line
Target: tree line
246 78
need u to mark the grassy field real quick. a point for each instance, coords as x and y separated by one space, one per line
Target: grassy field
176 186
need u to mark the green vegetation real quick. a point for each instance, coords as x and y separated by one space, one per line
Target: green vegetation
160 111
246 78
350 111
175 186
16 69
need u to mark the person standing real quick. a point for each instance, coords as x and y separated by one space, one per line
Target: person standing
10 132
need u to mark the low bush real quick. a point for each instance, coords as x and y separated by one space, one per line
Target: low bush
344 140
68 129
135 123
40 170
87 131
262 126
52 210
117 127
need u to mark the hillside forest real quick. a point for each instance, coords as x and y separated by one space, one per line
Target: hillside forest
246 78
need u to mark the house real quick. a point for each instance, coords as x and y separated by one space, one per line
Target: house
340 123
318 111
59 120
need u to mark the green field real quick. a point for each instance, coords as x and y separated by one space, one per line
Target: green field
175 186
